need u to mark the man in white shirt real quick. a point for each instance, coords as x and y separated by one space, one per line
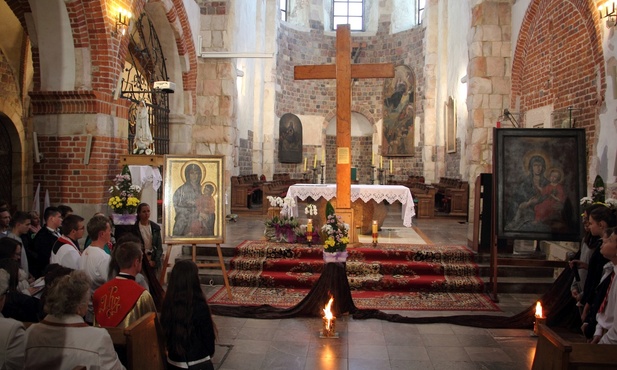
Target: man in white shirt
93 260
66 251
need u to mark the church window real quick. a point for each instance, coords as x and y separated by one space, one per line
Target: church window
348 12
284 8
421 4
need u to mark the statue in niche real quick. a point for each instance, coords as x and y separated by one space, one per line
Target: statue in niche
290 139
143 136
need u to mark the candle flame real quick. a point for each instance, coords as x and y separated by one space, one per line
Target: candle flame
328 313
538 309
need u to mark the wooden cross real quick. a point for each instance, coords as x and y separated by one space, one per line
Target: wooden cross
343 71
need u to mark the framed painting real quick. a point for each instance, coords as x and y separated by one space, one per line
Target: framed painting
399 113
540 176
451 125
193 199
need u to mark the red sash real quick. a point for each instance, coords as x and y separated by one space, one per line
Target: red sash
114 300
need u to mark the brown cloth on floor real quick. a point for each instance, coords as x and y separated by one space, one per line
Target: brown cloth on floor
557 302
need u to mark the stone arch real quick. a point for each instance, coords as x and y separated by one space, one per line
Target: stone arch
12 162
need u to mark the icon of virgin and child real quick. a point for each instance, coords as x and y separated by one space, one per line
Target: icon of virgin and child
195 204
539 201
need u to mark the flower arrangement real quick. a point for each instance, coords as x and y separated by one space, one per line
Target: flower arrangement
124 195
336 232
283 228
310 210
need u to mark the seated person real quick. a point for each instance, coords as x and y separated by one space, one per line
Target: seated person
121 301
66 250
63 340
18 306
12 333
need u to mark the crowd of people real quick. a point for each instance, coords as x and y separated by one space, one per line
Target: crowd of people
62 289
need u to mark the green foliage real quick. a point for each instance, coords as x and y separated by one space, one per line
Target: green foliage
329 209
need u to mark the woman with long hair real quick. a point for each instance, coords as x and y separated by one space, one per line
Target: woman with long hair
186 320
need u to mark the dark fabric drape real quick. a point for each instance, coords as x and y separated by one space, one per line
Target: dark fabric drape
558 305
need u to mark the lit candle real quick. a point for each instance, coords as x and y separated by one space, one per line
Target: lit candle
390 166
540 319
381 161
309 226
315 161
305 159
375 226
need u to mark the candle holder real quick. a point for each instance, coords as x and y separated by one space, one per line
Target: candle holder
536 324
372 175
323 172
314 175
306 175
381 176
328 329
390 178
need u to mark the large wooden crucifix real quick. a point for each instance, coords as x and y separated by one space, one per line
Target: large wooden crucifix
344 72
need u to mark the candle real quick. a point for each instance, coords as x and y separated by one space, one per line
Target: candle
381 161
390 166
372 159
315 161
305 163
540 319
374 229
309 226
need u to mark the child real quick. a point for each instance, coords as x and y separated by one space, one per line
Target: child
606 332
600 219
581 261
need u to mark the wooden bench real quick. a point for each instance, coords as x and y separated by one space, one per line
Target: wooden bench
452 196
246 193
558 350
142 344
424 197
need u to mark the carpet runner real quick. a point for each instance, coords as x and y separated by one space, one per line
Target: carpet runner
392 276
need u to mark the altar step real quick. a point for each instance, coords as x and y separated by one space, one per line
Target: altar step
511 279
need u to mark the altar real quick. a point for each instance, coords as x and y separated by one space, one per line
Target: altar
361 196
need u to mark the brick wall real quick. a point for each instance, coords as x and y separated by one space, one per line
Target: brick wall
318 97
559 60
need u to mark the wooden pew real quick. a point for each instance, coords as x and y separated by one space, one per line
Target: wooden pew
425 196
554 352
142 344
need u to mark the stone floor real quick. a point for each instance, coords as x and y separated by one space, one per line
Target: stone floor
290 344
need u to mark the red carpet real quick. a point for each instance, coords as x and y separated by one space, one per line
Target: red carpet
391 277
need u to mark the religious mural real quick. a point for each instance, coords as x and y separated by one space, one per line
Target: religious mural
399 113
290 139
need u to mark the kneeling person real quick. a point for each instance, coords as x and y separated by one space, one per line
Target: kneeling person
121 301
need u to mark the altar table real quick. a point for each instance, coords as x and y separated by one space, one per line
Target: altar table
378 193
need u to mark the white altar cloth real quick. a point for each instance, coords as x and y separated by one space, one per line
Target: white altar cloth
378 193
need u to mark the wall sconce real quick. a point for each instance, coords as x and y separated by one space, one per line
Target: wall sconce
611 16
123 21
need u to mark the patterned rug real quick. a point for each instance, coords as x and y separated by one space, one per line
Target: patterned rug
407 301
390 276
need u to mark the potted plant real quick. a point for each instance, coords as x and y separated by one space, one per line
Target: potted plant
124 198
336 237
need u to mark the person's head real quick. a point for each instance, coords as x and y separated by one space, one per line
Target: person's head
609 244
99 229
183 293
20 223
10 248
193 174
12 267
65 210
35 218
600 219
586 214
73 227
53 271
537 165
69 295
52 217
208 189
4 287
5 218
143 212
127 256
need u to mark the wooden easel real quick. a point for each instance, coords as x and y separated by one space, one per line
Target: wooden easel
221 262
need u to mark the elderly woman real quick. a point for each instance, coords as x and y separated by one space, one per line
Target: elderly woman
80 344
